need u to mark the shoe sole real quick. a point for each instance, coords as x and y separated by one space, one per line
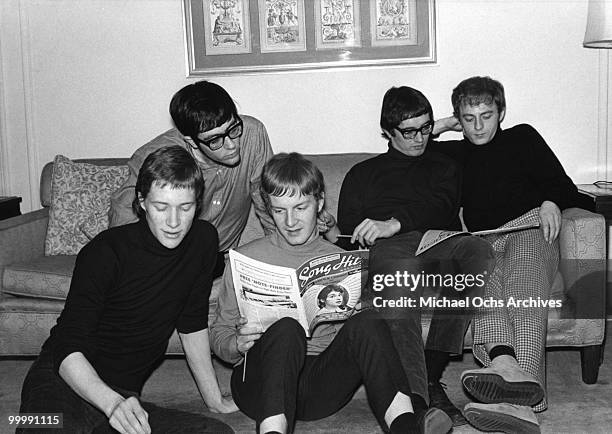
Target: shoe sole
493 389
436 422
488 421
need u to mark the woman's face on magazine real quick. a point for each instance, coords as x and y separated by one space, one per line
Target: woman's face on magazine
334 299
296 217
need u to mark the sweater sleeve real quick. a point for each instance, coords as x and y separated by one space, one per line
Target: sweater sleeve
194 316
260 158
93 277
350 202
442 202
547 173
223 329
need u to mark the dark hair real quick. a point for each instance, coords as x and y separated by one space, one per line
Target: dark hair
400 103
170 165
291 174
200 107
322 296
478 90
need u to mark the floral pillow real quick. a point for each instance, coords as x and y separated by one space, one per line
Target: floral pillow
80 199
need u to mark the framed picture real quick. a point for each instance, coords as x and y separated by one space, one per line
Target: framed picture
337 24
225 37
393 22
282 25
227 27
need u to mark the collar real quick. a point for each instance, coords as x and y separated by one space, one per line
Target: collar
397 155
310 246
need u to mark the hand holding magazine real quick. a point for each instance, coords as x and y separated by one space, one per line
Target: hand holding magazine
325 288
433 237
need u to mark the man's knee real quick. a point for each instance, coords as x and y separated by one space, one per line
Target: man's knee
286 332
367 324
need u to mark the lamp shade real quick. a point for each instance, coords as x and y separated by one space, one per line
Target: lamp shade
599 25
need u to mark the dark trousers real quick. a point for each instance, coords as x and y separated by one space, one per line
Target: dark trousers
46 392
461 255
281 379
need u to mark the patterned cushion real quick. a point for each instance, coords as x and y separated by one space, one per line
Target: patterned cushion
80 199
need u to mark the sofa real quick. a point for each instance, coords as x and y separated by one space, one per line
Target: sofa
33 286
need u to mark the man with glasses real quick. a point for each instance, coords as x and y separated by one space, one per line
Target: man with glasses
230 151
387 203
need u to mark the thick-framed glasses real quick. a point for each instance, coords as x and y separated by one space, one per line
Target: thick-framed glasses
410 133
216 142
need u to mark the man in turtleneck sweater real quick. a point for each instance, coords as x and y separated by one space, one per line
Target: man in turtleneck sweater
132 286
388 202
510 177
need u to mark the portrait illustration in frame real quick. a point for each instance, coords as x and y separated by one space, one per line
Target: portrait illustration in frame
337 24
393 22
282 25
226 27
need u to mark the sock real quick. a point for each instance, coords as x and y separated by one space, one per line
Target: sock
405 422
418 402
501 350
435 361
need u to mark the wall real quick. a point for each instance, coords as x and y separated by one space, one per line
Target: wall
91 78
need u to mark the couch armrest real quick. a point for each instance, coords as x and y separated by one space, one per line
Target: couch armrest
23 237
583 255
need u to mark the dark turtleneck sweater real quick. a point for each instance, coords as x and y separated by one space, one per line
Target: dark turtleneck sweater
512 174
421 192
127 295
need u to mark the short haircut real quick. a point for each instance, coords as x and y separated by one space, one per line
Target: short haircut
474 91
291 174
401 103
322 296
170 165
200 107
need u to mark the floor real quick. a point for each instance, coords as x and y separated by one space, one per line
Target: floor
574 407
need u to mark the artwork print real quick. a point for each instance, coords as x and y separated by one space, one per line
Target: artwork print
393 22
282 25
226 26
337 23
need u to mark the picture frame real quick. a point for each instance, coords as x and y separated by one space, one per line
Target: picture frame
305 40
282 25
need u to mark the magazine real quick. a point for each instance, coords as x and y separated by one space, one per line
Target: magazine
433 237
323 289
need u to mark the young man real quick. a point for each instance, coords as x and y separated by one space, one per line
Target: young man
510 177
131 287
230 150
388 202
287 376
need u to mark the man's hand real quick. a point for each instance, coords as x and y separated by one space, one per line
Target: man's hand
443 125
327 225
128 417
550 220
246 335
226 405
368 231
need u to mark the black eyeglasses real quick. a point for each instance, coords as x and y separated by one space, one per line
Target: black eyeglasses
410 133
216 142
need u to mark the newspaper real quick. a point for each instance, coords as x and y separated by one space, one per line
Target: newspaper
323 289
433 237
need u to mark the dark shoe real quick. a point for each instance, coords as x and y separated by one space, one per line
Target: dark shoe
438 399
434 421
503 381
506 418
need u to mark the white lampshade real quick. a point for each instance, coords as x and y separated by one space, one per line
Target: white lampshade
599 25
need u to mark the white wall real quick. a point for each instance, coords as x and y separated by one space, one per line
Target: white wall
93 78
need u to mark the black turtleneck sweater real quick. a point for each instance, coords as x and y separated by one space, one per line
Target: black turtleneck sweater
127 295
509 176
421 192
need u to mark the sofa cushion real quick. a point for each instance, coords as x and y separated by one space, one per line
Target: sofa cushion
46 277
80 199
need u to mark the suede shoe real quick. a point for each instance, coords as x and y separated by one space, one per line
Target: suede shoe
439 399
506 418
503 381
434 421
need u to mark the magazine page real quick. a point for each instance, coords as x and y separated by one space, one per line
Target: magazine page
265 292
503 230
433 237
331 285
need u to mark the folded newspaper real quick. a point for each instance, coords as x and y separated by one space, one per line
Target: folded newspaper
323 289
433 237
